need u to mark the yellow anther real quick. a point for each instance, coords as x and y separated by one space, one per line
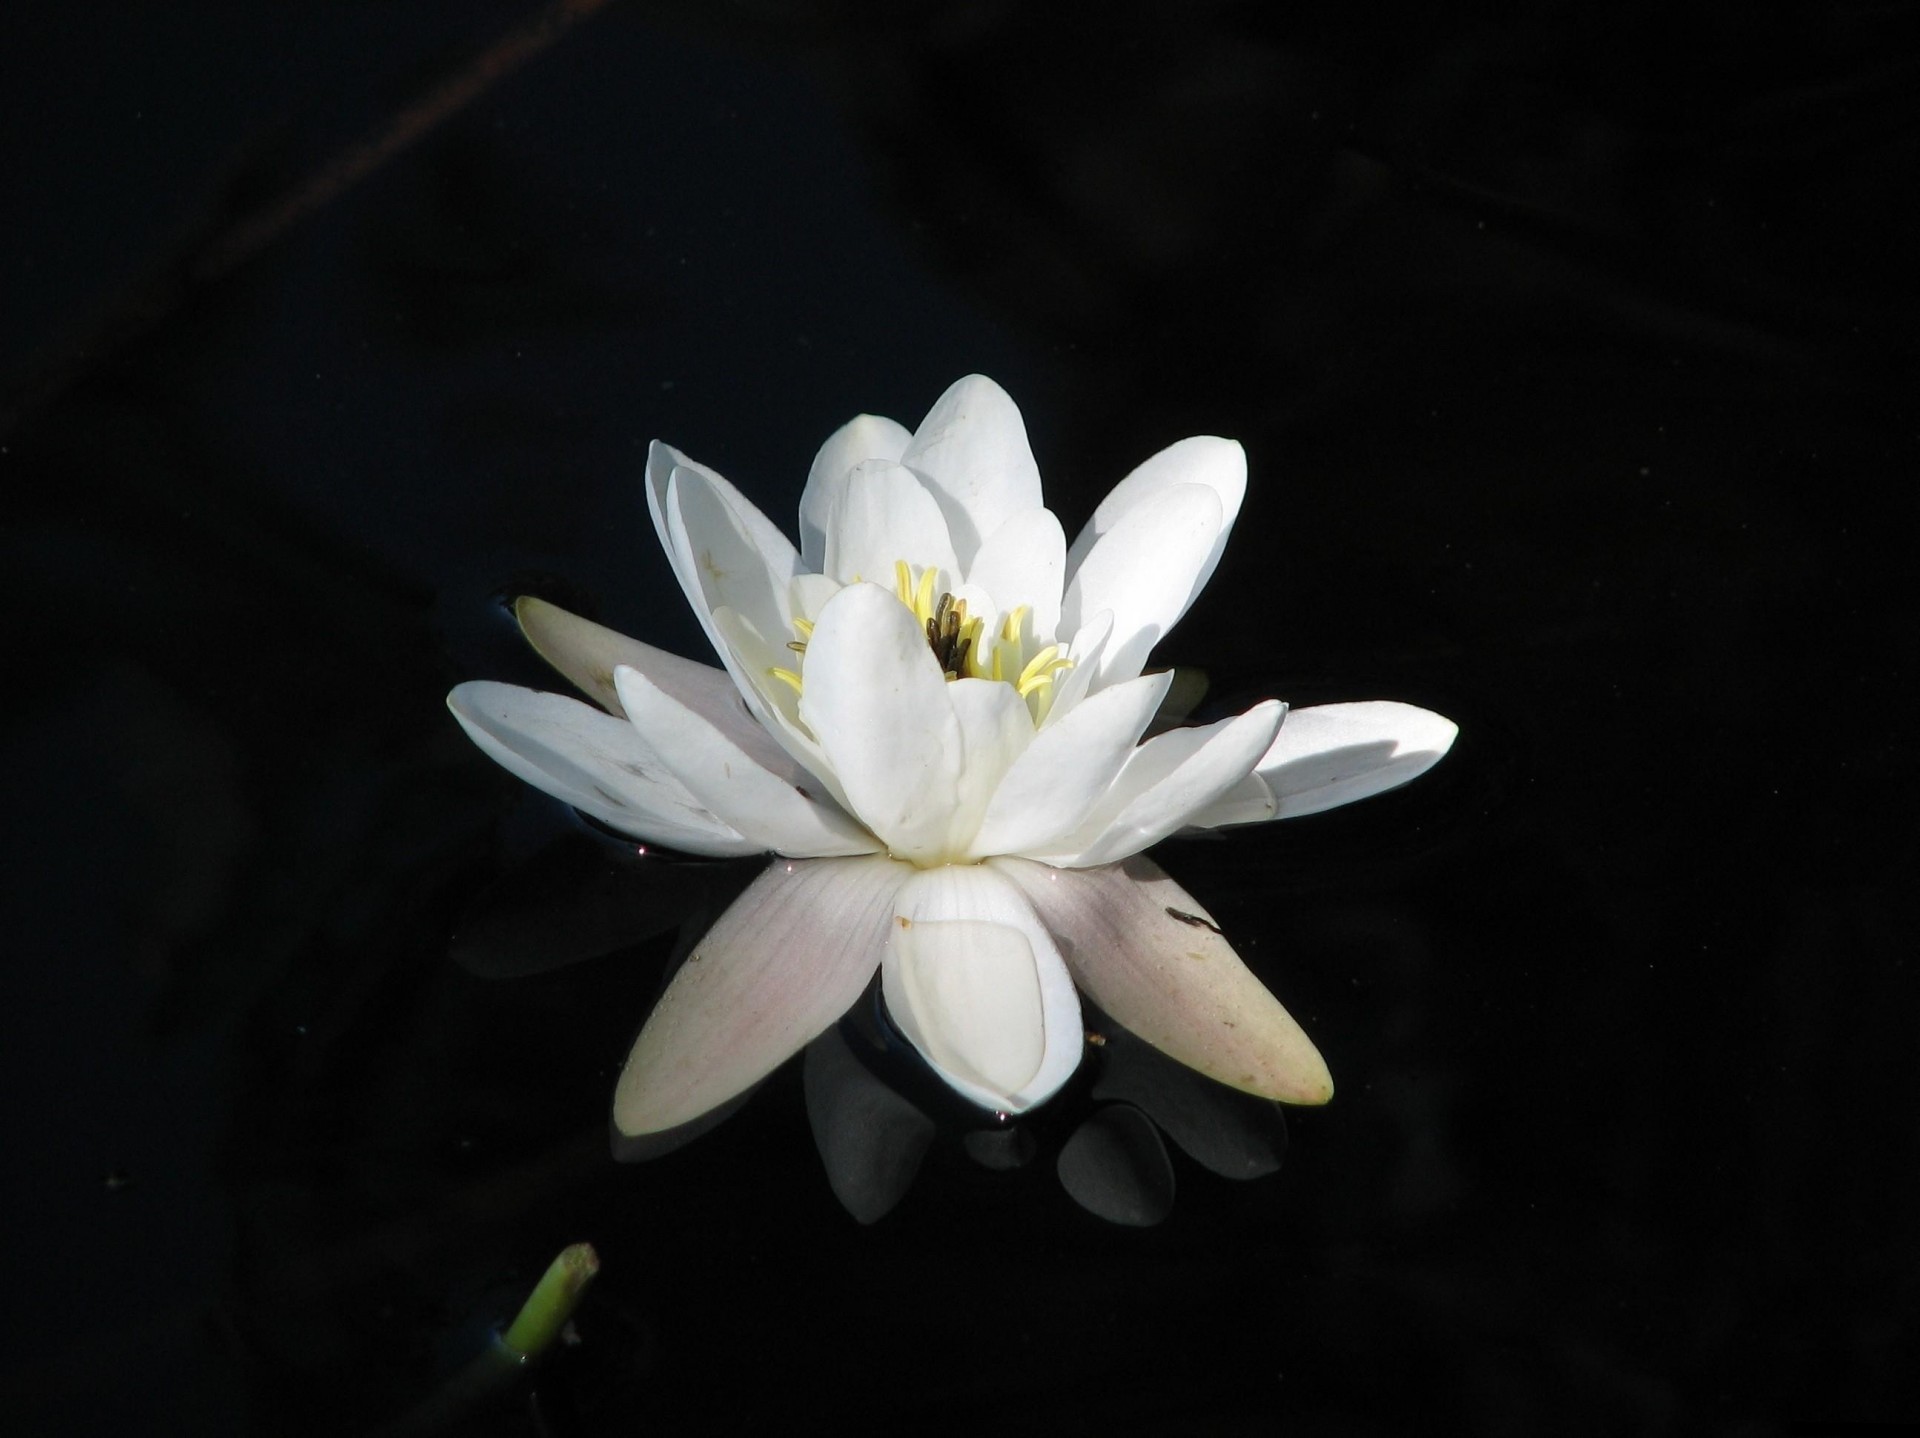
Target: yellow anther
1010 631
803 627
787 677
903 582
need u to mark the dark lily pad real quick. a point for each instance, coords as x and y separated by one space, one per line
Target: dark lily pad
870 1138
1116 1168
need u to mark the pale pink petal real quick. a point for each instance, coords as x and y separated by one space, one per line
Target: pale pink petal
787 960
1144 950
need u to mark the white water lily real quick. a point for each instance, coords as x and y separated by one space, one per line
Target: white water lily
932 711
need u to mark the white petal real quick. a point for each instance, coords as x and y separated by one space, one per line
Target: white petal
865 436
1220 464
996 728
1248 802
1084 648
790 956
1332 754
1167 780
810 594
972 450
877 703
779 815
974 981
1068 768
588 653
746 645
1024 562
733 553
885 514
1147 953
1147 569
727 553
597 763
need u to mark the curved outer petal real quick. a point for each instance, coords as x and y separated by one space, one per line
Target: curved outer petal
1167 780
1221 464
884 514
588 653
723 567
593 761
785 961
1147 953
877 703
972 450
1024 561
865 436
974 981
735 548
1147 569
726 553
1332 754
1068 768
762 806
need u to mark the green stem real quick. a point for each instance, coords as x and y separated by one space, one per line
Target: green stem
546 1311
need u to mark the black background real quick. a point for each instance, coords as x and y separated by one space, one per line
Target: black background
1573 349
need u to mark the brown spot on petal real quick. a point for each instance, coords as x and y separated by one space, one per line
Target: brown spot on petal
1198 921
903 921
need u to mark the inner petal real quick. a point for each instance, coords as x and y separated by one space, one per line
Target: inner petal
967 992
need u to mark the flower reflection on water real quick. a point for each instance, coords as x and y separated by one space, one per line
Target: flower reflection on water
933 712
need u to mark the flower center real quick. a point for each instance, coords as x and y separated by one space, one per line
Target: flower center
962 643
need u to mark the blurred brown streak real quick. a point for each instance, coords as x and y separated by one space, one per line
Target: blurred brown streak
207 261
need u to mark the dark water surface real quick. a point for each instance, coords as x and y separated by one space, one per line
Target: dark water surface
1573 349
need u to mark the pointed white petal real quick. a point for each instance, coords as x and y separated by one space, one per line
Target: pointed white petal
1167 779
865 436
1024 562
746 646
885 514
1147 569
1332 754
790 819
1085 648
732 556
876 702
597 763
744 547
588 653
1248 802
790 956
975 983
972 450
1220 464
995 729
1147 953
1068 768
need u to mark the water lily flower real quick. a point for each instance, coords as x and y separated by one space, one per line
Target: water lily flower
932 711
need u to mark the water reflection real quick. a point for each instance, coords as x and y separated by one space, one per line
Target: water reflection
875 1108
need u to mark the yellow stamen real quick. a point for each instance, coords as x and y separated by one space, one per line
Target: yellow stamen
787 677
903 582
803 627
1039 669
923 596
